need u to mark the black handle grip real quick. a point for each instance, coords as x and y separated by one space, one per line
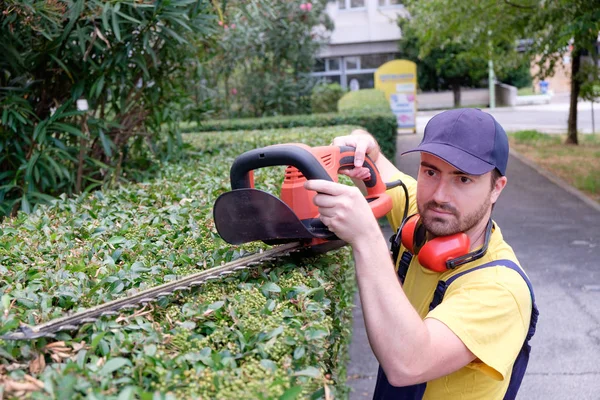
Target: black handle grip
348 161
271 156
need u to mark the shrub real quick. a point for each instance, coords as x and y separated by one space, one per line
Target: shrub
519 77
364 100
278 330
325 97
133 64
382 124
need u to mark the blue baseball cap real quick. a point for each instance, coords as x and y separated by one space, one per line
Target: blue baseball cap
467 138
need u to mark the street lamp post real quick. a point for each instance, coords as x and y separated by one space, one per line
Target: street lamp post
491 75
492 84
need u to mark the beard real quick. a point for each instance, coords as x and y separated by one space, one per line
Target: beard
448 226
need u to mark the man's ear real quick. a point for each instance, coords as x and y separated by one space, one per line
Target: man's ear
498 187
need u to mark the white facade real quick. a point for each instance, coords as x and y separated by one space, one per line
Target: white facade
366 36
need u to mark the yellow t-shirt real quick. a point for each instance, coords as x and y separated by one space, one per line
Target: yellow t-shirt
488 309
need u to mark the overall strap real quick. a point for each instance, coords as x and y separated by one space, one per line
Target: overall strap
403 265
440 291
522 359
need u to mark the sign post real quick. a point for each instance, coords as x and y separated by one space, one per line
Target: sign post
398 79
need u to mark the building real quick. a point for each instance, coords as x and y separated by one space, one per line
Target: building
366 36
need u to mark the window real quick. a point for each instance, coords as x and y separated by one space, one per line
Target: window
369 61
319 65
347 4
384 3
333 64
351 71
352 63
363 81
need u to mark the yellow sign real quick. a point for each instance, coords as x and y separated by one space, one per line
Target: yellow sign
398 79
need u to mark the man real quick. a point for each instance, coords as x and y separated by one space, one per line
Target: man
481 313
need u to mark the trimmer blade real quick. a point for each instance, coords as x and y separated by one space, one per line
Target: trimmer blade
246 215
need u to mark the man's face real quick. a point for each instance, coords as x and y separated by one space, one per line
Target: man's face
450 201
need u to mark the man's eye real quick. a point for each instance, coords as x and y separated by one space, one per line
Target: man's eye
430 172
464 179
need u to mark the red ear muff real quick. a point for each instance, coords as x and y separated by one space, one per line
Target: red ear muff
438 254
408 232
435 253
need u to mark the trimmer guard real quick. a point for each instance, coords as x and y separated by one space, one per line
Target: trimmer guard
246 215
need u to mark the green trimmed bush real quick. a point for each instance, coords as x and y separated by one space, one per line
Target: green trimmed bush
280 330
364 100
381 124
325 97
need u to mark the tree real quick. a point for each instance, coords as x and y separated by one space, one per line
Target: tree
448 66
129 60
550 28
567 24
265 55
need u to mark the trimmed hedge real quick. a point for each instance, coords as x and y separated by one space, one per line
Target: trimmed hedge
381 124
280 331
372 100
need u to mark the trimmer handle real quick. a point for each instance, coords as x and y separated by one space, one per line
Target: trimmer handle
297 155
313 163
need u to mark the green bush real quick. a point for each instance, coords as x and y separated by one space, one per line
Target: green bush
325 97
364 100
382 124
134 64
519 77
278 330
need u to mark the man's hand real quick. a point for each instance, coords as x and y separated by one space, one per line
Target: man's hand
364 144
344 210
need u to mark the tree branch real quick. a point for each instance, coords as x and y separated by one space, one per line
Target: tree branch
519 6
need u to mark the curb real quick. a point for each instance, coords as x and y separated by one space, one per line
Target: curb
556 180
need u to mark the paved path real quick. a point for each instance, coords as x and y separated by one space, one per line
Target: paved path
549 118
556 236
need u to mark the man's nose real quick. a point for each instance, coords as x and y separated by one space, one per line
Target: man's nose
441 194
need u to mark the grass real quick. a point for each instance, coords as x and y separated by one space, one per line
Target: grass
578 165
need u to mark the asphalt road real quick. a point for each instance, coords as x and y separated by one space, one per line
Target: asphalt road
549 118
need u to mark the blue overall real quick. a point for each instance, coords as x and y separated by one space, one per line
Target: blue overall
384 390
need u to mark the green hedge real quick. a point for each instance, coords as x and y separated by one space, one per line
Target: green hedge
282 330
381 124
371 100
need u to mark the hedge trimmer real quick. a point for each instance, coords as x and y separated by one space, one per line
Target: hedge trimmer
246 214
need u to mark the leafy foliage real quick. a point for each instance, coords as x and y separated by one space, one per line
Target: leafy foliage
281 330
449 65
324 97
130 60
547 29
519 77
382 124
442 67
266 53
365 100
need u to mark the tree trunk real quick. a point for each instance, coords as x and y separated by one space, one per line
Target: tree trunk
575 88
456 92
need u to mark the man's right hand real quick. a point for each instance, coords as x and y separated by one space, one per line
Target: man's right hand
364 143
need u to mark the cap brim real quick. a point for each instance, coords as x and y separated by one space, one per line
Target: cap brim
460 159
